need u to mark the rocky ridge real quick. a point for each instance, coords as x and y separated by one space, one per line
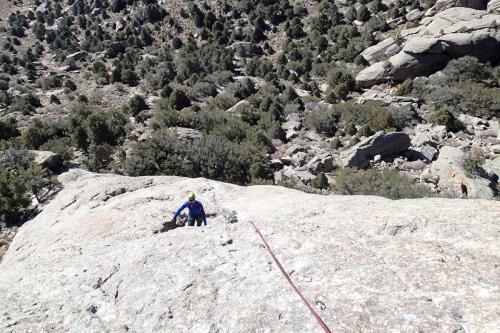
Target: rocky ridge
451 33
90 261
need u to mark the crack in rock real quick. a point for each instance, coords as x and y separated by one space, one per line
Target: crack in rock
100 282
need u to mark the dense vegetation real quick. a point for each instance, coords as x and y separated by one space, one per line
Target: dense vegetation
387 183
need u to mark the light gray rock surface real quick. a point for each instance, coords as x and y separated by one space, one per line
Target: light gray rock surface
380 143
493 6
386 48
47 159
445 4
90 262
186 133
449 166
452 33
76 56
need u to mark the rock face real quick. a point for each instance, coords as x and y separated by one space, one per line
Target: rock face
449 167
90 262
380 143
76 56
445 4
493 6
452 33
47 159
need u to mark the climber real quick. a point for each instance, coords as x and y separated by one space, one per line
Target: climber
196 211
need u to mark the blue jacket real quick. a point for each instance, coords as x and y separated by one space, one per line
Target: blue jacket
195 210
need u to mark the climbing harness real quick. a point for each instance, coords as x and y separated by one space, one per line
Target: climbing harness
306 302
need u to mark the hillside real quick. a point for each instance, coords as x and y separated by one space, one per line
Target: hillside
253 92
90 261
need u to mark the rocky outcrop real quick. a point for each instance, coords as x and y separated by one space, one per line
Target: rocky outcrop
47 159
76 56
185 133
493 6
386 48
292 125
380 143
445 4
452 33
91 262
450 168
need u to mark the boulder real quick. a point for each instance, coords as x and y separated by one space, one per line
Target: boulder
186 133
428 152
449 166
76 56
42 9
492 167
238 108
321 163
417 165
380 143
452 33
445 4
428 177
47 159
94 260
387 48
289 173
428 135
299 159
292 126
493 6
294 149
414 15
313 136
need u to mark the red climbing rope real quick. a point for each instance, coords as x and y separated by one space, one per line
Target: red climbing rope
306 302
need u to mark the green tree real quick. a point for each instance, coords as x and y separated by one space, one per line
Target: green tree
363 14
320 182
136 104
447 118
179 100
14 196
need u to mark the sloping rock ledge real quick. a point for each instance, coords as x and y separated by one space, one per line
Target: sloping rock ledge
90 261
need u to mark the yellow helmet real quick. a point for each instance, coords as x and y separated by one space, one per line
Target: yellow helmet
191 196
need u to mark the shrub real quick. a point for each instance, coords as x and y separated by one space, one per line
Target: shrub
21 105
447 118
8 129
59 145
336 143
259 170
369 113
466 68
323 120
204 89
473 165
363 14
54 100
99 157
136 104
387 183
14 196
405 88
90 125
50 82
320 182
213 156
70 85
179 100
37 133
